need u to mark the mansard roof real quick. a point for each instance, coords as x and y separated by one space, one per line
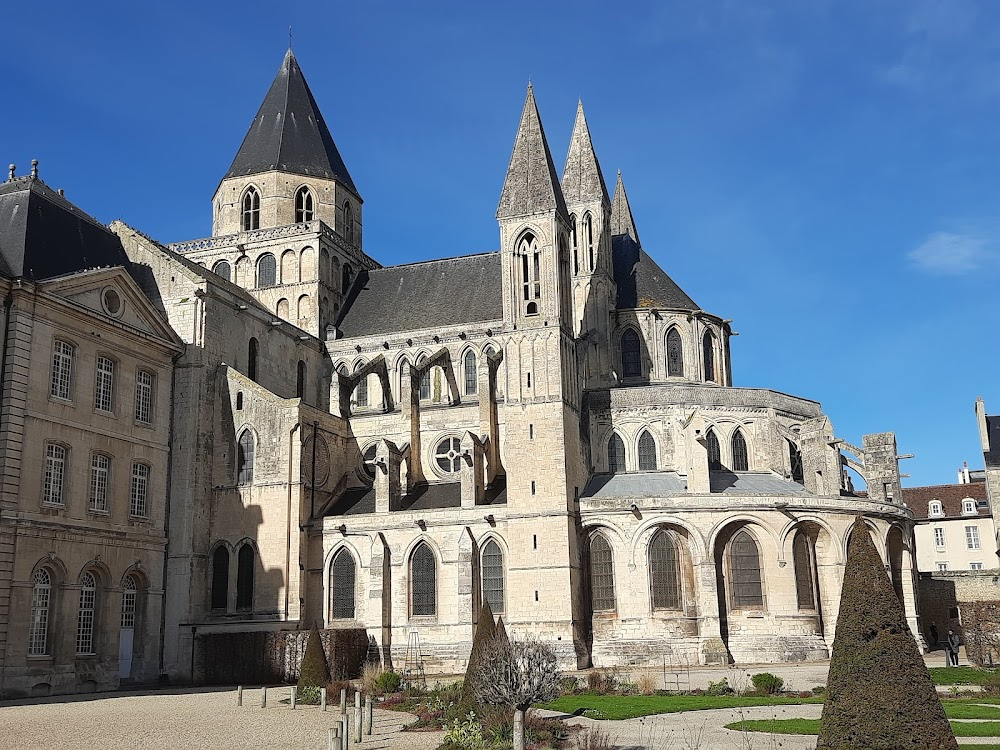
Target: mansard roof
532 185
582 179
289 133
641 282
430 294
43 235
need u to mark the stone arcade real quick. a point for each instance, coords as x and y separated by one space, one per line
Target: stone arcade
552 427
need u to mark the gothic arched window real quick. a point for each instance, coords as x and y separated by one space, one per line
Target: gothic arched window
588 237
708 355
361 393
602 575
647 452
492 575
343 582
300 380
575 242
41 593
223 269
631 360
244 458
802 553
86 614
744 572
220 578
303 205
675 354
714 453
250 214
267 271
423 581
616 454
663 571
348 223
425 380
252 359
130 592
741 457
245 560
795 462
346 278
531 272
471 374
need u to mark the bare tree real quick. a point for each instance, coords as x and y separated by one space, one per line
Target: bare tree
517 674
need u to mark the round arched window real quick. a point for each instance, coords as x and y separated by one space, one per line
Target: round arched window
112 302
448 455
368 460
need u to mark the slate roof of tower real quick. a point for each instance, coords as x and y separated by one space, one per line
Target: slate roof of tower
532 184
582 179
641 282
433 293
289 133
43 235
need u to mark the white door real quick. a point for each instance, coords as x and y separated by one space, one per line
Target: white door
125 653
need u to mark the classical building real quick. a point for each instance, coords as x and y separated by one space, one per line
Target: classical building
552 427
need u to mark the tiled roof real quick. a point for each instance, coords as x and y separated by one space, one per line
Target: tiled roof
289 133
434 293
43 235
361 500
950 496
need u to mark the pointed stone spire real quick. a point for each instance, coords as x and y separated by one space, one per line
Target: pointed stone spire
622 223
289 133
582 179
532 184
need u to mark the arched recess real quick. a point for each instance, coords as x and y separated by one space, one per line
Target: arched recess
492 574
307 264
250 209
740 574
423 577
267 271
223 270
219 595
289 267
303 205
895 547
601 574
708 362
246 569
714 450
646 452
631 350
616 454
343 585
282 308
671 572
739 451
674 353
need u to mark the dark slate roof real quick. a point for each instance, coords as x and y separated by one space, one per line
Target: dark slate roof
992 456
43 235
670 484
361 500
582 179
531 184
434 293
950 496
641 282
289 133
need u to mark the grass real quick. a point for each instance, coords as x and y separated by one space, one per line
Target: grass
811 726
616 707
959 675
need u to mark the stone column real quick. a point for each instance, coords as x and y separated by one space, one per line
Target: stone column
472 479
698 479
488 426
387 483
711 648
409 400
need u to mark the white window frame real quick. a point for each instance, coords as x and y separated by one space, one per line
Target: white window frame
100 480
61 386
942 567
145 380
129 596
41 600
86 615
939 537
53 482
139 494
975 566
969 507
972 537
934 509
104 385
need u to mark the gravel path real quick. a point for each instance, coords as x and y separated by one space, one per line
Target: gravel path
191 720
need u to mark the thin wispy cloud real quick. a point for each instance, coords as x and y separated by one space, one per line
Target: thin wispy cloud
954 254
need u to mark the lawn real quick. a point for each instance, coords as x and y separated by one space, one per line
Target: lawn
959 675
811 726
632 706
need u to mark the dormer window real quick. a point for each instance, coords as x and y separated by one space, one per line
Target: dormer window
251 209
969 507
934 509
303 205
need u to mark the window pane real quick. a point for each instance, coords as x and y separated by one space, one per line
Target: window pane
631 363
602 575
616 454
471 374
803 572
708 356
647 452
129 591
493 576
38 635
62 369
140 490
744 567
266 270
99 469
342 586
105 384
143 396
220 578
741 458
245 458
244 577
714 452
55 467
85 615
675 354
222 269
423 574
663 572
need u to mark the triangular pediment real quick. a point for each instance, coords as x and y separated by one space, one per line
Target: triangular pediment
113 294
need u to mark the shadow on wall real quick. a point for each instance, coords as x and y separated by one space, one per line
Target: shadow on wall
938 607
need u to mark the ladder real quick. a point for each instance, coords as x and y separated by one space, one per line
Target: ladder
413 662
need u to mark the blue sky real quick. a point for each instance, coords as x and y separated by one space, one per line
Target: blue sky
825 173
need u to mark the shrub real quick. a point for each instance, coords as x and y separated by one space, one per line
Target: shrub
991 684
464 733
368 675
386 683
313 671
569 685
879 690
720 688
308 695
819 690
593 739
766 683
645 683
602 682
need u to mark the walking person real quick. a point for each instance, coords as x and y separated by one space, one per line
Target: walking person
952 645
934 636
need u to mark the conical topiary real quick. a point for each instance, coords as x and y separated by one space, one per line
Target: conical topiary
485 633
879 693
502 631
313 671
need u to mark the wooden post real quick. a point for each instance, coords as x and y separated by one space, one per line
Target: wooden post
293 697
322 698
343 702
333 738
357 717
345 740
263 697
368 715
239 695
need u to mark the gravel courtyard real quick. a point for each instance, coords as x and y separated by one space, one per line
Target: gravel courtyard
191 720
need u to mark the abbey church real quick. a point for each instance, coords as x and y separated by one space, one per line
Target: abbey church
267 429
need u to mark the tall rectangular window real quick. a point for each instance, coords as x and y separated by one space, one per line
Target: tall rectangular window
144 396
105 388
975 566
140 491
62 369
55 471
100 468
939 538
85 615
972 537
